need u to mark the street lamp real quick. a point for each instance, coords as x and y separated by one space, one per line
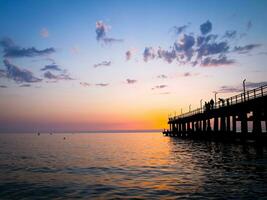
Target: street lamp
244 89
215 98
201 105
181 111
190 108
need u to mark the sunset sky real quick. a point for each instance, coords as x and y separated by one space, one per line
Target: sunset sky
108 65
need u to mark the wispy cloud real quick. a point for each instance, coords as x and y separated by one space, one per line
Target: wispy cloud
19 75
44 32
101 33
104 63
159 87
246 48
102 84
215 62
249 25
239 88
62 76
3 86
25 85
51 67
85 84
131 81
13 51
180 29
2 73
162 76
130 53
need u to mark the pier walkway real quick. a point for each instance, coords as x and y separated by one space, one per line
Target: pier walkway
219 120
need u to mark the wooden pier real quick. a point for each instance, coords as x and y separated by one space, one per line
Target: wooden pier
219 120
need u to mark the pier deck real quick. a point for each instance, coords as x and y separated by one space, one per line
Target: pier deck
219 120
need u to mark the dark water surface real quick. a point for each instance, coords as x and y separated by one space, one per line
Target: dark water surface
134 165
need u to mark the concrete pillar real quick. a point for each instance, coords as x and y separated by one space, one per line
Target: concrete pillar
208 125
234 123
222 124
200 125
193 126
244 123
184 127
188 126
204 125
257 122
228 124
215 126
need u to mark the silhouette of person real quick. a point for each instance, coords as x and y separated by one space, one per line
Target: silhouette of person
228 103
212 103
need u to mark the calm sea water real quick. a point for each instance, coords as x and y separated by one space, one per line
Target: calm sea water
133 165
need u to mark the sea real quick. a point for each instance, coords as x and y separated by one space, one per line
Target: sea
129 166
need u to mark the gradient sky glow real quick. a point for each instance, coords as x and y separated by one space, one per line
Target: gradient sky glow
109 65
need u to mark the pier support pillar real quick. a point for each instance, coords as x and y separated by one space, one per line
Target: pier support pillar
234 123
228 124
188 127
223 124
215 126
193 126
204 125
244 123
257 121
208 127
184 127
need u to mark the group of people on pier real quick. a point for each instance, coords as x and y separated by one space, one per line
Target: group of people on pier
209 105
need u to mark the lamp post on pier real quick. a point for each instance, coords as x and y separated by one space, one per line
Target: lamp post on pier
201 105
244 89
215 98
190 108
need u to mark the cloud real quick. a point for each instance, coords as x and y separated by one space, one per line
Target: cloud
2 73
246 48
129 53
159 87
85 84
239 88
19 75
101 33
206 27
230 34
206 49
162 76
168 56
51 67
180 29
3 86
25 85
13 51
131 81
249 25
186 74
252 85
62 76
44 33
215 62
149 53
102 84
104 63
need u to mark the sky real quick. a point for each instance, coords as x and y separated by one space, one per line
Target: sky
123 65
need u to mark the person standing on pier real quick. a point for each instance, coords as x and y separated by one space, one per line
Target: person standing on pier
211 104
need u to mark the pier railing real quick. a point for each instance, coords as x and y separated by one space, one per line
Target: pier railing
240 98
